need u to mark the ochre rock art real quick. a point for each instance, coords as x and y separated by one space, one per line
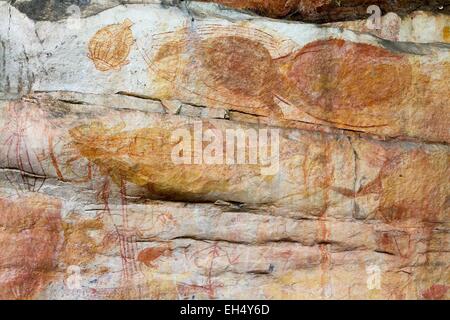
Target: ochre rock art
110 46
30 239
446 33
435 292
231 67
150 255
137 163
333 82
180 57
348 83
233 158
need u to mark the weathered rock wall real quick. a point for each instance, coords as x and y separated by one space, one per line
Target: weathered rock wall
320 11
341 193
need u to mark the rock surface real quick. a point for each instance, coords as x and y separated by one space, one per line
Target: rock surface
419 26
320 11
339 192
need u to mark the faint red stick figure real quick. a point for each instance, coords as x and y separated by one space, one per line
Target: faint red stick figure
214 251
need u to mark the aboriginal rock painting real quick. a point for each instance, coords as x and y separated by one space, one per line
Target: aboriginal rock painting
110 46
31 175
28 263
228 66
132 166
347 83
334 81
92 204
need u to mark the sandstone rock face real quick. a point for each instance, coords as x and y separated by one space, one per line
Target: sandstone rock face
325 10
419 27
167 151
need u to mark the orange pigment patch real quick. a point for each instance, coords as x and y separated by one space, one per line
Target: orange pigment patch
446 34
80 246
30 234
143 157
234 71
412 187
435 292
111 45
241 65
353 83
150 255
124 155
396 243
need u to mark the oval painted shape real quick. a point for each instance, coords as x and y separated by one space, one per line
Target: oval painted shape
149 255
343 81
30 236
241 65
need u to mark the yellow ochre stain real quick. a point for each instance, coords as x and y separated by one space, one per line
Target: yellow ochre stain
446 33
